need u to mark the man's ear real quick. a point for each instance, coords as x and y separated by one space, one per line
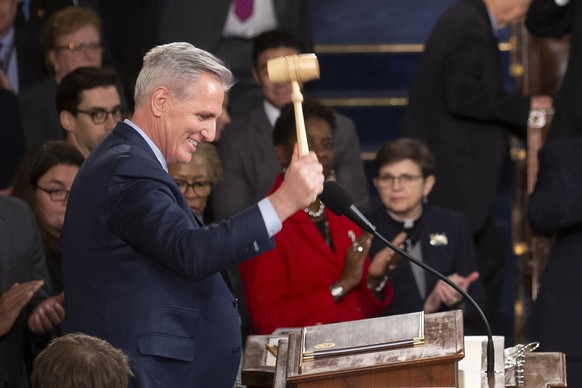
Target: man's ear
66 119
159 100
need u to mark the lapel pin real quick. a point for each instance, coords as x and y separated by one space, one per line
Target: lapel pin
437 239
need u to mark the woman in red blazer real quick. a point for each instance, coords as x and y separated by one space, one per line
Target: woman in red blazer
319 271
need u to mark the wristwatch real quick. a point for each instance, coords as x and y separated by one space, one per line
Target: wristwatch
337 292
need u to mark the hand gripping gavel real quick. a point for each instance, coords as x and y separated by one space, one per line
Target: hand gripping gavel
295 68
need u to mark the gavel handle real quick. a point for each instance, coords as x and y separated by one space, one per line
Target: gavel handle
297 99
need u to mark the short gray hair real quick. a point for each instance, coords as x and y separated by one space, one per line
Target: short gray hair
178 66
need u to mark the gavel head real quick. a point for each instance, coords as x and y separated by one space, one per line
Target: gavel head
300 68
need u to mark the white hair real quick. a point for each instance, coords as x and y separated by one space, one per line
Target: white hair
178 66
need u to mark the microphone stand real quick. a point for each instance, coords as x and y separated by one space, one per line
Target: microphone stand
490 370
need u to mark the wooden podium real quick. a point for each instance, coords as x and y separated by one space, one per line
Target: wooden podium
433 364
545 369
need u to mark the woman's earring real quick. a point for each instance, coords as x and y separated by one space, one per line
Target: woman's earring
424 199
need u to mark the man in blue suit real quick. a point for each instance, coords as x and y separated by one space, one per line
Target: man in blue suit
140 270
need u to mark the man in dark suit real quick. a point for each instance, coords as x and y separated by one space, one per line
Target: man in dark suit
554 210
140 270
219 30
554 19
459 109
89 104
21 58
24 286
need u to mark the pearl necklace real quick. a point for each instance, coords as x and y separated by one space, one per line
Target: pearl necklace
315 214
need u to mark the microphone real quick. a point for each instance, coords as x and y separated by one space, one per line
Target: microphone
340 202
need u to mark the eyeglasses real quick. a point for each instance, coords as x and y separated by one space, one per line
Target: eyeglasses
57 195
99 116
201 188
404 179
81 47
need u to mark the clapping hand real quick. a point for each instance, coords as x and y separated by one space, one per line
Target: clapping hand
386 259
47 315
13 301
354 261
442 293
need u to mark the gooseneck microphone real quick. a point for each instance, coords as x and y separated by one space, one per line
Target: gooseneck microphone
340 202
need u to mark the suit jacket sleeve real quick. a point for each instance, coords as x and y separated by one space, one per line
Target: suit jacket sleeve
466 92
22 254
147 216
545 18
39 269
556 203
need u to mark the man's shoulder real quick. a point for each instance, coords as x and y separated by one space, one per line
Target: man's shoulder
46 86
245 129
122 148
345 128
462 15
13 206
343 120
468 7
446 218
16 213
253 121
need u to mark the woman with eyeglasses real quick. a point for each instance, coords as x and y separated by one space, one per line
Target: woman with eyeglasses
196 178
43 180
404 177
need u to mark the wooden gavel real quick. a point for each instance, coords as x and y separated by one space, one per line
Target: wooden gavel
295 68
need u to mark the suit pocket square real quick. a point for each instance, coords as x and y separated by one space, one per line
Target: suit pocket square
438 239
